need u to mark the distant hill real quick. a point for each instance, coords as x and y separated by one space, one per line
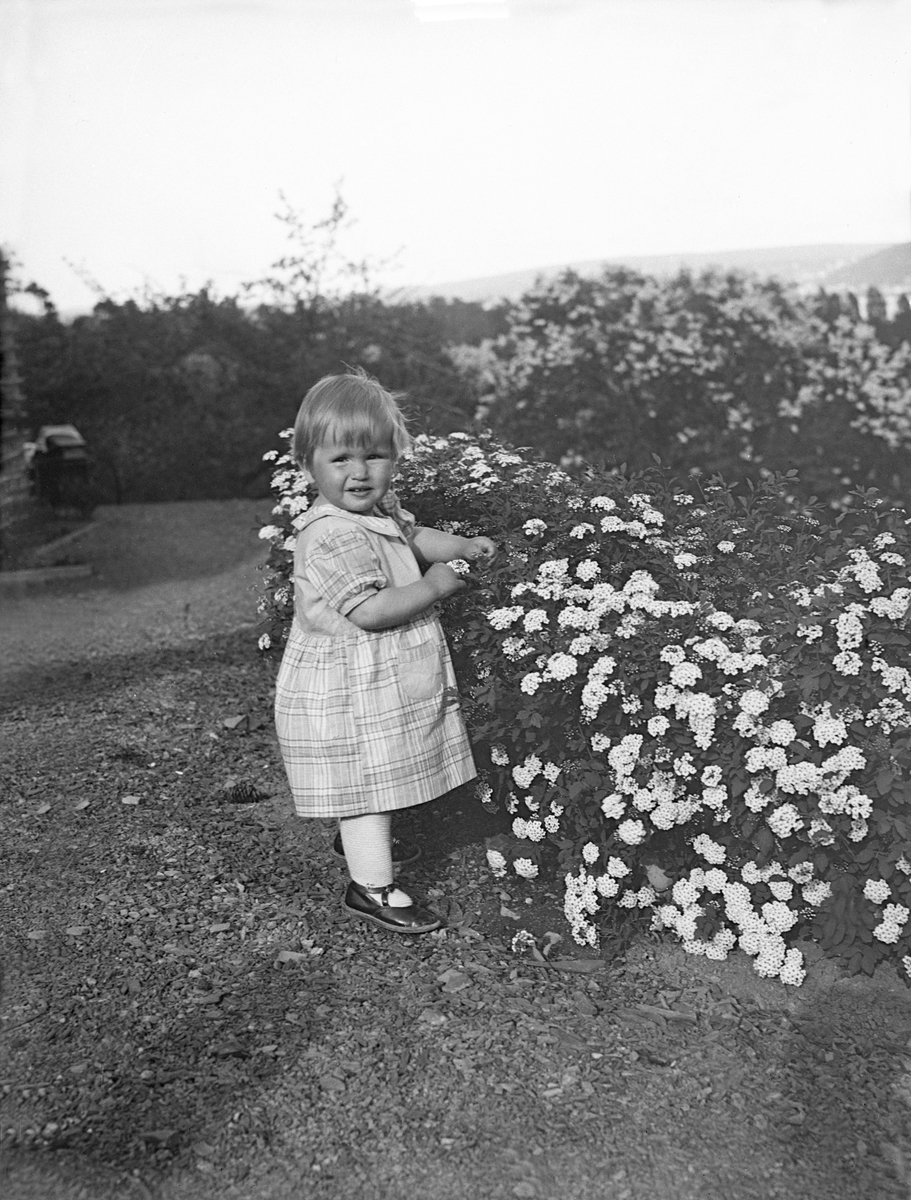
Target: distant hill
798 264
889 268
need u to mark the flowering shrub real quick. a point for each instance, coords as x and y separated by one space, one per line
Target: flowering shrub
691 703
718 373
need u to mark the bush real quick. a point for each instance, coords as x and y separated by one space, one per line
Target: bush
719 373
691 701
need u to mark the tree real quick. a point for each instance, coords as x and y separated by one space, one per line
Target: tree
180 396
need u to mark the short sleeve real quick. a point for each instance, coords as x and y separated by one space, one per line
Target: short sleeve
343 567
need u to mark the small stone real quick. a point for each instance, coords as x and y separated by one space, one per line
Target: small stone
433 1018
454 981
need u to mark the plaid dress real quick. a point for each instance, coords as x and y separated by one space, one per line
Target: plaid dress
368 721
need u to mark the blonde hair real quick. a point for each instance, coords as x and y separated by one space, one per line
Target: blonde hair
351 409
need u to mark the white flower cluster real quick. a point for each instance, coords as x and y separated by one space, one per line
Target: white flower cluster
810 633
828 730
890 929
894 607
895 679
560 666
632 832
515 648
529 770
849 628
580 902
864 571
613 807
782 733
596 691
785 820
647 511
497 863
817 892
525 868
877 890
502 618
532 830
759 934
530 683
712 852
535 620
753 702
684 561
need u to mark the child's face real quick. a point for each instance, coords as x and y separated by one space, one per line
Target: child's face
352 478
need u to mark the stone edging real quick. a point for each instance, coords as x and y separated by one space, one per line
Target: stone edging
48 574
49 548
13 579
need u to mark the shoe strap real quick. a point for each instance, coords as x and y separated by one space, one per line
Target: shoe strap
378 895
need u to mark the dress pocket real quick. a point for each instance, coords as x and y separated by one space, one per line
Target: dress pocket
421 669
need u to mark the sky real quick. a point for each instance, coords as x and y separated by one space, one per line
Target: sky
148 143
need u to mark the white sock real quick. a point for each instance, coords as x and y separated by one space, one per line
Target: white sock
367 842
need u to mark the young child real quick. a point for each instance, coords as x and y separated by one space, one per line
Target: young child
366 708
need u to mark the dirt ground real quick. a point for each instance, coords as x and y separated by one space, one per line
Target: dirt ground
187 1014
161 573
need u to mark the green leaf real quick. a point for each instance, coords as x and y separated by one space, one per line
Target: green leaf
763 840
884 780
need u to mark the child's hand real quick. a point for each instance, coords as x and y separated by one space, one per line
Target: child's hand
481 549
444 581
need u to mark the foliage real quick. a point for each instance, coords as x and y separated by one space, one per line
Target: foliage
692 700
716 373
854 409
179 396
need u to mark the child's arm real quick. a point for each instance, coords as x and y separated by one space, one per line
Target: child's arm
435 546
396 605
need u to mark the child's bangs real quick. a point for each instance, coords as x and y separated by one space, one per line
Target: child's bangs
359 430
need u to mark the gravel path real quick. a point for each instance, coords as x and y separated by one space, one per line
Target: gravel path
162 573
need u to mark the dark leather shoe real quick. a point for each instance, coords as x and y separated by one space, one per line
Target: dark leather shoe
402 855
409 919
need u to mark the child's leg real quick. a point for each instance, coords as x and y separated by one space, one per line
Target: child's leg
367 841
